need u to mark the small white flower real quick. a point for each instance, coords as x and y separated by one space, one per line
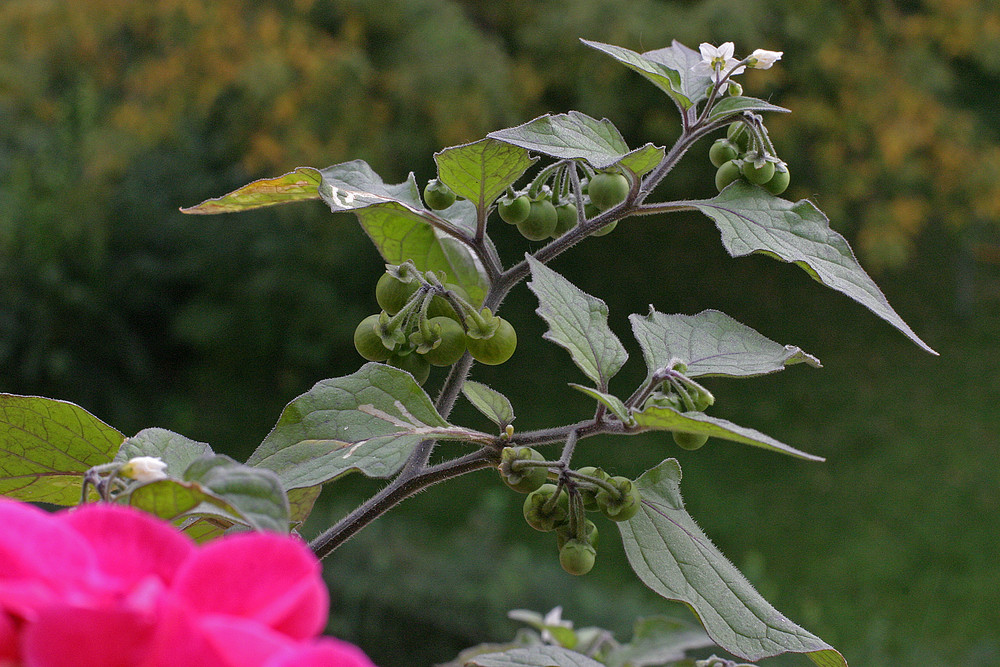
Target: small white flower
717 62
763 59
144 469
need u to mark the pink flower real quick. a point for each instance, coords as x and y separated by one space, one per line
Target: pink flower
108 586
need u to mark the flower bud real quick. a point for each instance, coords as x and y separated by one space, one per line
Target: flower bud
144 469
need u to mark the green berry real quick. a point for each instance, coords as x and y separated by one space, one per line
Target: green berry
452 345
524 479
513 211
541 221
412 363
437 195
496 349
367 341
607 189
690 441
577 557
539 515
392 293
727 173
566 219
441 307
722 151
606 229
620 506
758 175
779 182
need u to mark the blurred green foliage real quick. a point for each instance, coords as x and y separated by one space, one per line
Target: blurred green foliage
113 114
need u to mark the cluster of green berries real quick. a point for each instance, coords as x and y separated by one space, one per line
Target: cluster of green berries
736 156
682 394
560 507
419 326
547 215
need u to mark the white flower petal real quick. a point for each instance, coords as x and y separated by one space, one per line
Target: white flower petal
144 469
763 59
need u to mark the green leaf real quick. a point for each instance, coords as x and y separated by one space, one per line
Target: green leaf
752 220
681 59
671 555
202 529
177 451
534 656
46 445
711 343
729 106
482 171
367 422
299 185
661 70
301 502
172 499
490 402
577 322
609 401
401 228
659 418
255 493
577 136
658 640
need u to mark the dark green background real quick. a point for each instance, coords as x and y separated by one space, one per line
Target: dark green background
112 299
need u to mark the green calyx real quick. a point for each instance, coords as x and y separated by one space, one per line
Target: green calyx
519 477
621 505
543 510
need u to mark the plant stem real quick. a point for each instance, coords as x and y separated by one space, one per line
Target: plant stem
399 489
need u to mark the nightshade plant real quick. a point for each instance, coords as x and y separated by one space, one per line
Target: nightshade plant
557 179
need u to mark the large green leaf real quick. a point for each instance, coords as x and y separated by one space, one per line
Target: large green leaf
671 555
711 343
367 422
46 445
299 185
658 418
401 228
669 69
481 171
577 136
577 322
753 221
542 655
177 451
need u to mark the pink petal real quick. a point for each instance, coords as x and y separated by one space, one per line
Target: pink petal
9 649
242 642
273 579
324 652
66 635
131 544
40 558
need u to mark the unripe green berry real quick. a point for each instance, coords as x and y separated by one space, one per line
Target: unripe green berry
739 135
437 195
722 151
452 345
513 211
620 506
577 557
523 479
367 341
392 293
496 349
779 182
589 496
538 515
689 441
566 219
728 173
758 175
607 189
564 535
541 221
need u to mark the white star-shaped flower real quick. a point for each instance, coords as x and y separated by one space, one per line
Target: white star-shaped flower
717 62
